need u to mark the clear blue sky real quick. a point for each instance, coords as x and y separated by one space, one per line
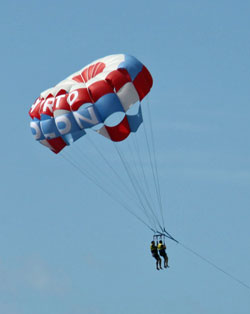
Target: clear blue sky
66 247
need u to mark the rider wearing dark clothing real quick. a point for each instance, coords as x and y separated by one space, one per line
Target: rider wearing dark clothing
155 254
162 251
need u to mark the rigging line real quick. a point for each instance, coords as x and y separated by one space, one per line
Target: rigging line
142 192
150 218
216 267
154 170
130 159
152 164
142 168
127 189
168 235
154 157
206 260
152 167
133 159
136 187
133 148
93 169
129 196
97 178
107 192
87 170
142 175
164 233
142 179
98 172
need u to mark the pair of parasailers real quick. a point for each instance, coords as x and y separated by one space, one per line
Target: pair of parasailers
157 251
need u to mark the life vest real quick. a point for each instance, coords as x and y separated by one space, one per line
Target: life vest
153 248
161 247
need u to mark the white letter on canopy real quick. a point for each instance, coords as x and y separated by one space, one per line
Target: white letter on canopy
35 126
58 99
63 120
37 102
79 118
72 97
48 104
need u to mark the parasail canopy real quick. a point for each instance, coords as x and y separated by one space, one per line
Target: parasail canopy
87 98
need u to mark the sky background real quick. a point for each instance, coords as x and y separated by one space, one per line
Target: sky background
65 246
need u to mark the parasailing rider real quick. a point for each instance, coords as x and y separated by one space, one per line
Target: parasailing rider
162 251
155 254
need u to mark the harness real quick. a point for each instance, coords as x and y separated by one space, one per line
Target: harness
153 248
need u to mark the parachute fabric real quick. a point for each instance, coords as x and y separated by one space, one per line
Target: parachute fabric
85 99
